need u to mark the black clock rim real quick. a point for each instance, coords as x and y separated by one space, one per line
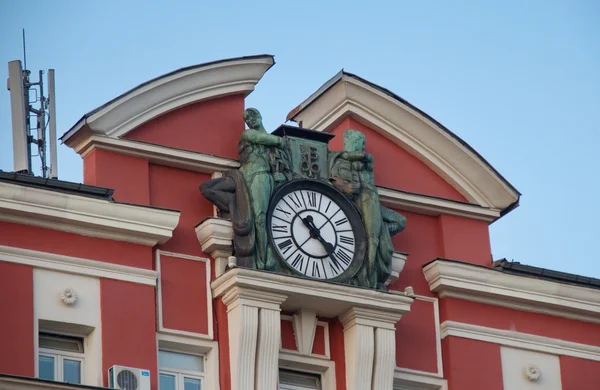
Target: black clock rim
347 207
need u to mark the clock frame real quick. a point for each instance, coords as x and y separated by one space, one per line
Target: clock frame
350 212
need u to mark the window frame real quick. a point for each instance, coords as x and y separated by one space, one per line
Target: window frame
288 386
59 357
181 374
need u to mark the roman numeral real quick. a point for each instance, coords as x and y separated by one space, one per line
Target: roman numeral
316 269
285 246
299 200
297 204
347 240
298 261
327 208
280 228
343 256
283 211
341 221
312 199
334 265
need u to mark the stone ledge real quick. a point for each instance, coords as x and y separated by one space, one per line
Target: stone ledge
328 299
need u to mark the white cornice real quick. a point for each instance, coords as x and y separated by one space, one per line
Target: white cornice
486 285
85 215
409 128
430 205
157 154
528 341
76 265
172 91
328 299
206 163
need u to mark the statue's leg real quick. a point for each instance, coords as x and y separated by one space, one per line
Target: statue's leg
260 190
220 191
394 221
372 222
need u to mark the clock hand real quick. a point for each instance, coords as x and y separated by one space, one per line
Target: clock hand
308 221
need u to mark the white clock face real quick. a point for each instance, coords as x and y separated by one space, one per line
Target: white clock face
312 233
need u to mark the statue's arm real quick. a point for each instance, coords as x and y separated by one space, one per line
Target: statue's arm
354 156
260 138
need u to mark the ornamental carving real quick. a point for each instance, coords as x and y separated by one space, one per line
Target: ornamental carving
68 296
532 372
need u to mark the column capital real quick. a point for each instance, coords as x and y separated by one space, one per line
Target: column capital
216 238
370 317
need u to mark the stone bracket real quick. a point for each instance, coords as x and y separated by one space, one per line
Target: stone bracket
216 237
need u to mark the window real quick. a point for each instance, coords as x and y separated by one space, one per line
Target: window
60 358
180 371
292 380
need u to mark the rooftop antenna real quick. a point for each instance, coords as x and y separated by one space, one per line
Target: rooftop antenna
26 135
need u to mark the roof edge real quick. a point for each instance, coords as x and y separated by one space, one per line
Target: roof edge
112 119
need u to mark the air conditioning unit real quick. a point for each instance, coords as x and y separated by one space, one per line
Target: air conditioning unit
127 378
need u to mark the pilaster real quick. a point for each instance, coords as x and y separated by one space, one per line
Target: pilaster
254 336
369 342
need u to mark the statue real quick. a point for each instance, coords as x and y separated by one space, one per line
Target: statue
351 172
245 193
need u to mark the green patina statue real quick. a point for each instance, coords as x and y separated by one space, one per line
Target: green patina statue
268 161
352 173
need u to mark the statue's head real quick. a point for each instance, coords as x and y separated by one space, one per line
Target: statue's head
253 118
354 141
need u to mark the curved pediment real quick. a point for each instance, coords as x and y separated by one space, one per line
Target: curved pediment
171 91
347 95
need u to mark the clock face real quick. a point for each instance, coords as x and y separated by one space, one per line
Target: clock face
316 231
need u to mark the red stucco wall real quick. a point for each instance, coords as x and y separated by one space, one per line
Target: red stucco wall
212 127
17 354
471 364
128 327
184 294
394 166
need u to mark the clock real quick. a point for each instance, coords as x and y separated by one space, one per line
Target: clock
316 231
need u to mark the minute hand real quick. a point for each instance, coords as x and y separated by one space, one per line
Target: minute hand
308 221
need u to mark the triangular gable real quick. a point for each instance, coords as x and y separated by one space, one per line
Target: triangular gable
404 124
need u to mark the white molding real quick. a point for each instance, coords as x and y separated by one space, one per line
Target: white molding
325 326
209 308
411 130
438 337
312 364
8 382
85 215
216 238
328 299
172 91
77 265
430 205
305 326
487 285
157 154
405 379
206 163
183 344
520 340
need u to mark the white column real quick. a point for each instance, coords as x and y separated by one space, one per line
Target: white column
370 348
269 341
359 349
254 337
385 359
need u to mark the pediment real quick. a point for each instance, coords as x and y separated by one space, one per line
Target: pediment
347 95
172 91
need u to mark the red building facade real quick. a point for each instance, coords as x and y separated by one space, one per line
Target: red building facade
129 269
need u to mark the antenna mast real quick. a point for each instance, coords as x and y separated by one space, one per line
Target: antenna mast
26 135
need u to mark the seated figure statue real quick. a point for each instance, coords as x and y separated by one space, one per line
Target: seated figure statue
244 194
351 172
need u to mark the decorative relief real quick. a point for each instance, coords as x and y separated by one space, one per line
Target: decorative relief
68 296
532 372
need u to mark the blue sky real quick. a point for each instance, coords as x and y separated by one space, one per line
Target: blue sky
519 81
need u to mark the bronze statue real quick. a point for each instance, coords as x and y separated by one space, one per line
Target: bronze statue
351 172
245 193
